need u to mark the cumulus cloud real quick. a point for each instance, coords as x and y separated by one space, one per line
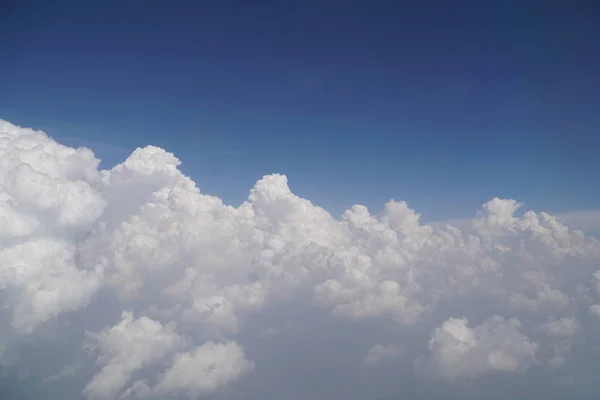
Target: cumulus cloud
204 369
125 348
458 351
153 289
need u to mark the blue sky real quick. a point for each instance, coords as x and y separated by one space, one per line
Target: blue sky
443 104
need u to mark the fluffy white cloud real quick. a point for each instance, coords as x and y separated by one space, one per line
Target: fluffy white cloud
197 372
125 348
496 345
204 369
171 281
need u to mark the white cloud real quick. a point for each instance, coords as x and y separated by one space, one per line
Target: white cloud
170 278
205 369
587 221
199 371
125 348
458 351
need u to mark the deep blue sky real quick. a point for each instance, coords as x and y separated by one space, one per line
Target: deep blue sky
442 103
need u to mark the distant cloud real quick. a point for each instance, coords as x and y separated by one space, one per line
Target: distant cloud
133 284
584 220
587 221
380 353
96 145
496 346
66 372
560 328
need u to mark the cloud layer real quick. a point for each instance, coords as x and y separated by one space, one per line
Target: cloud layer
131 283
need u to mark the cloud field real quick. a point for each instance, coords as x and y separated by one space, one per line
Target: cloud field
130 283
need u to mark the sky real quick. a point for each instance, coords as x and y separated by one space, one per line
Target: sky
356 102
292 200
